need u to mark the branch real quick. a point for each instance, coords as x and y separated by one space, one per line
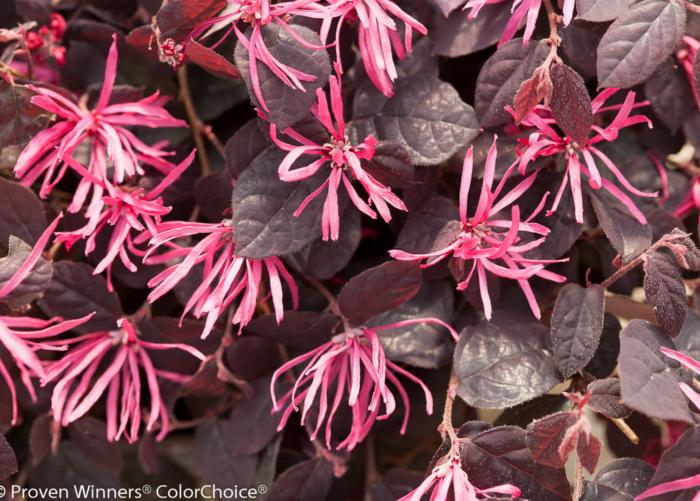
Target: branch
554 38
193 119
691 6
446 427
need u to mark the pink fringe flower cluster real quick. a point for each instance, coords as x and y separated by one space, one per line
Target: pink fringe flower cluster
116 158
527 10
110 364
342 158
449 481
227 279
687 53
352 362
486 238
548 141
378 36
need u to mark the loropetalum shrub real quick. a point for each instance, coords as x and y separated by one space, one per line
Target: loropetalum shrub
351 249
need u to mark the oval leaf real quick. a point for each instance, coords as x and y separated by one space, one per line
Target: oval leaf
571 104
639 41
576 327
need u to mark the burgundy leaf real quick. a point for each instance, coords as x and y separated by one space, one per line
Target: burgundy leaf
34 285
576 326
500 455
19 119
648 386
459 36
177 18
532 91
8 462
501 77
21 214
571 104
600 11
213 62
680 461
638 42
545 436
379 289
621 479
606 398
504 362
309 479
245 145
665 291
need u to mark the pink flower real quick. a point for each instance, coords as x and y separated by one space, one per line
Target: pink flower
259 13
118 357
103 128
686 54
22 336
227 278
352 361
548 141
131 213
39 52
521 9
691 200
342 158
378 34
486 237
447 476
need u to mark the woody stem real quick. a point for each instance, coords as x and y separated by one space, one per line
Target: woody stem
554 39
446 426
192 117
691 6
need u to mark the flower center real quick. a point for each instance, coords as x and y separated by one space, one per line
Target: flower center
337 150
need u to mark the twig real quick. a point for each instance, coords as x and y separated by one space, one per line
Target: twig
622 271
578 486
554 38
446 427
624 428
371 475
193 119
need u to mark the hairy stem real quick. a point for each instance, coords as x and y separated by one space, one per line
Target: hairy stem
554 38
446 426
193 119
578 486
691 6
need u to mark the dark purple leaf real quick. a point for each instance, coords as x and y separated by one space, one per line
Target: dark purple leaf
75 292
40 438
670 95
19 119
214 453
253 421
545 435
322 260
396 483
638 42
504 362
580 45
680 461
245 146
600 11
287 105
391 165
500 455
588 448
21 214
421 345
619 480
424 225
425 116
213 195
665 291
571 104
378 290
688 341
301 330
34 284
532 91
629 237
177 18
606 398
648 385
501 77
459 36
251 357
8 462
576 326
213 62
604 361
309 480
263 210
